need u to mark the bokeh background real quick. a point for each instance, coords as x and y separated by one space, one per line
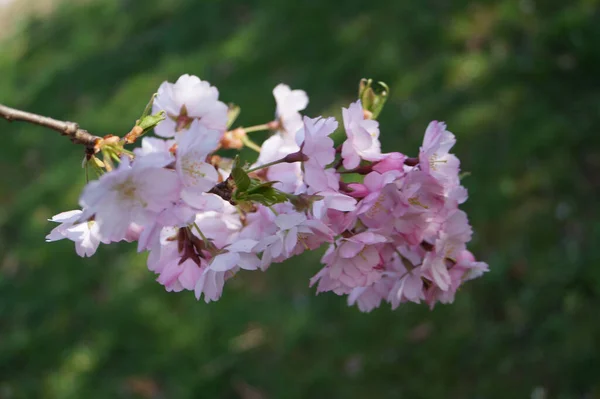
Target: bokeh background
517 81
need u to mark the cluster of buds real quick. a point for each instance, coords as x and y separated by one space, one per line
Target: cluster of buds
392 223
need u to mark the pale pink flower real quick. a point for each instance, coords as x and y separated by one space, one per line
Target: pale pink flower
187 100
174 275
318 179
332 200
154 152
197 175
419 192
391 161
289 104
180 276
412 226
434 156
316 144
84 233
472 268
259 224
128 194
465 268
294 235
375 210
407 282
369 298
288 175
355 261
453 238
315 141
362 137
238 255
221 227
178 214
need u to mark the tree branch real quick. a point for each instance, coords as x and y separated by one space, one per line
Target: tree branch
71 129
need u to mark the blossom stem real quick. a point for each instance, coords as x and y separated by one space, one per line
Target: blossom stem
200 232
361 170
266 165
297 156
250 144
257 128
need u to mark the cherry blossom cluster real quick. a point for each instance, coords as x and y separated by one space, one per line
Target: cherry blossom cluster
391 223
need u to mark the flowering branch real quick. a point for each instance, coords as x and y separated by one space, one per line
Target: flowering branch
394 230
70 129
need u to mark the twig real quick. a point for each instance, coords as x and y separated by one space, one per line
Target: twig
71 129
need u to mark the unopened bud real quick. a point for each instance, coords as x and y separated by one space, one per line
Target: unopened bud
411 161
110 139
373 98
303 202
233 139
274 125
297 156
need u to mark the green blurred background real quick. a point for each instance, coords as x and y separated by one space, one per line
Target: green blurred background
517 81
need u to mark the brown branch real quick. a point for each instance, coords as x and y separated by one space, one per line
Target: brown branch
70 129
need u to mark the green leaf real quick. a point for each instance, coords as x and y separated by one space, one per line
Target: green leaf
241 179
148 108
150 121
263 194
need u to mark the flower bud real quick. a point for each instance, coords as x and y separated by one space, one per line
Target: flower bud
372 99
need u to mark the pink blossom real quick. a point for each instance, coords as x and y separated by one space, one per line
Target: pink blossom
316 144
391 161
362 137
380 196
128 194
295 234
315 141
238 255
355 261
434 157
84 233
197 175
187 100
174 274
332 200
465 268
180 276
222 226
288 175
155 152
289 104
369 298
259 224
453 238
419 192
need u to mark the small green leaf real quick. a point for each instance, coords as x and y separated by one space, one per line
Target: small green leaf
150 121
267 196
148 108
241 179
